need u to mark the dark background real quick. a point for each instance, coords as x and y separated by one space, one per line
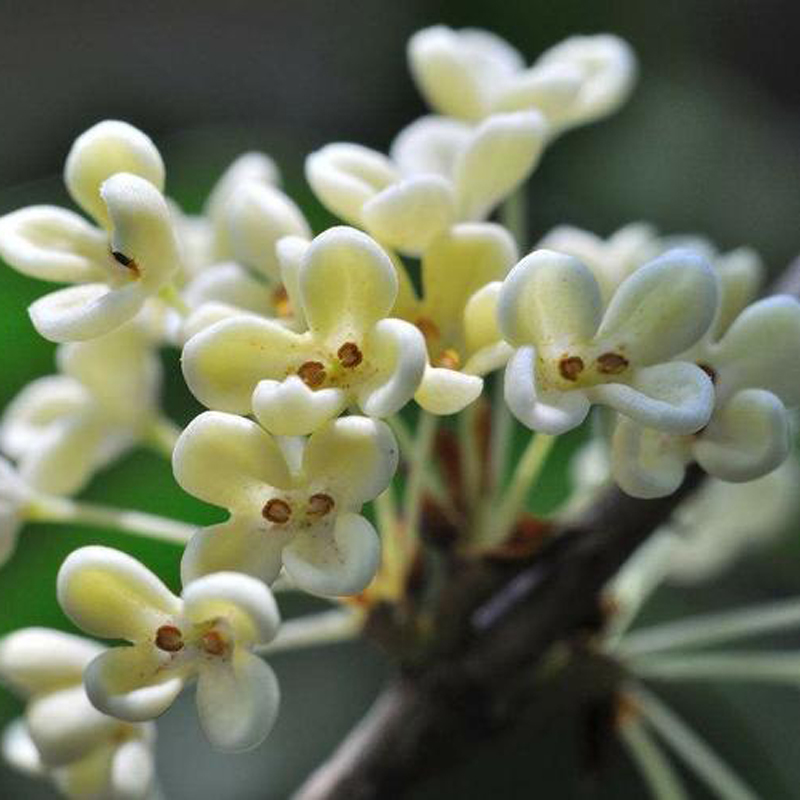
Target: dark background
710 142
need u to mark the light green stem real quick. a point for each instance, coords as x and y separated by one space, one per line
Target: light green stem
469 454
660 776
403 435
326 627
412 505
170 295
162 435
502 427
763 667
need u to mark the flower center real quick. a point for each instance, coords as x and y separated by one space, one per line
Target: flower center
169 639
277 511
320 504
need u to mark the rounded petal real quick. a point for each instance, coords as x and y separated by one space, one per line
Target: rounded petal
332 563
552 413
228 460
662 309
231 284
40 660
677 397
250 167
133 771
223 364
19 751
347 283
550 89
446 391
53 244
105 149
109 594
257 217
86 311
237 702
290 408
501 154
741 273
239 545
398 350
133 683
430 146
408 214
746 438
345 176
550 300
480 317
291 250
356 457
647 463
245 602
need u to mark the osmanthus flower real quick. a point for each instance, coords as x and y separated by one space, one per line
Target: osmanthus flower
62 428
755 367
352 352
470 74
15 496
571 354
462 272
441 171
115 174
62 736
293 502
207 633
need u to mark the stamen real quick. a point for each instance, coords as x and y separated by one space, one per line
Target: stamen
612 363
213 643
277 511
349 355
169 638
570 367
312 373
320 504
280 299
449 359
428 328
126 261
710 371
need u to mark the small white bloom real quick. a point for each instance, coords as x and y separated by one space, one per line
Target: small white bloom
351 353
469 74
293 503
15 495
87 754
115 173
207 633
570 354
441 171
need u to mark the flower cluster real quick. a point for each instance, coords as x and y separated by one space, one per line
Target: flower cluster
308 349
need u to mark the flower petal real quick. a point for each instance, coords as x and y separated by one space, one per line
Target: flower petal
338 562
662 309
223 364
133 771
746 438
447 391
550 89
228 460
251 167
19 751
741 273
553 413
109 594
229 283
105 149
480 317
291 250
676 397
354 456
430 146
237 702
501 154
290 408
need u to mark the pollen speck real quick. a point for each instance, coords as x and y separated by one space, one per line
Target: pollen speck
570 367
126 261
320 504
277 511
349 355
169 638
312 373
213 643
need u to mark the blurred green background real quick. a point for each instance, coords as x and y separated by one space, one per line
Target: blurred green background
710 143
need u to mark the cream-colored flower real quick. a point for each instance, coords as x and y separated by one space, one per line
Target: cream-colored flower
351 353
15 496
470 74
87 754
441 171
293 502
207 633
755 367
570 354
115 174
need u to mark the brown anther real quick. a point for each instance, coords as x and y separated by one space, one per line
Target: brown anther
280 299
312 373
126 261
611 363
428 328
277 511
449 359
710 371
169 638
570 367
627 709
213 643
349 355
320 504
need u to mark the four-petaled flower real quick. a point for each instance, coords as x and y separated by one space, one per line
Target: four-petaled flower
293 502
207 633
570 354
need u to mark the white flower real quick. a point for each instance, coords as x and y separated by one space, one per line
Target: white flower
570 354
293 502
88 755
470 74
115 174
351 353
207 633
62 428
755 367
15 496
441 171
